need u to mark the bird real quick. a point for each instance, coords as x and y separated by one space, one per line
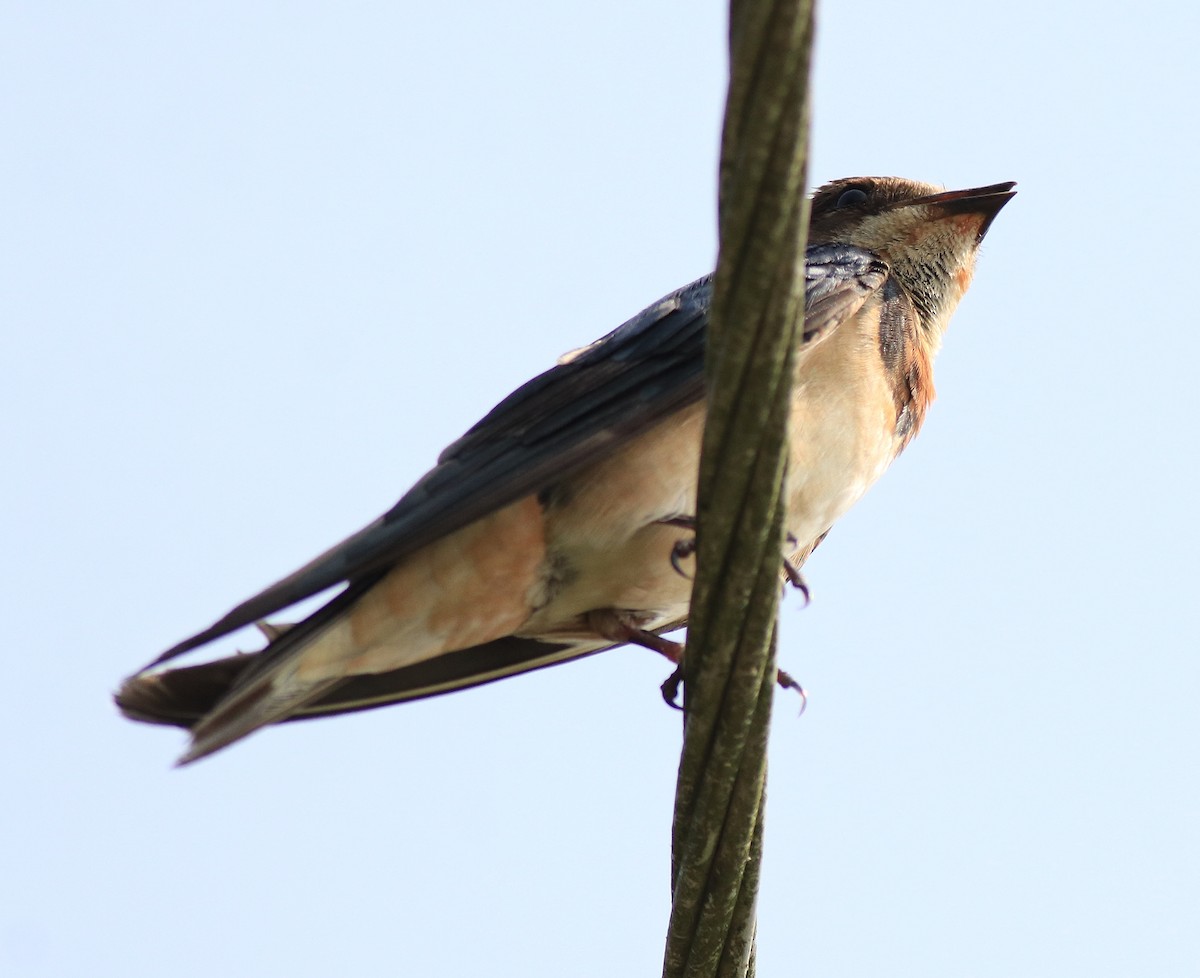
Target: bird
555 527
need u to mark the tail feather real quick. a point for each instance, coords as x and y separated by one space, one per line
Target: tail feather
181 697
264 700
226 699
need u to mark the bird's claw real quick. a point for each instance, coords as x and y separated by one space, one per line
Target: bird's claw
785 681
682 550
796 580
670 689
687 548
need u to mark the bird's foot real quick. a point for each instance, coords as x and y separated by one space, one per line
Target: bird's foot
623 627
670 688
687 548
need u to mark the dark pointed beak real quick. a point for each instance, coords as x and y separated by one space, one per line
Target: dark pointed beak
982 201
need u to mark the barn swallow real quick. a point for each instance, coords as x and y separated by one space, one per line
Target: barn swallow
554 527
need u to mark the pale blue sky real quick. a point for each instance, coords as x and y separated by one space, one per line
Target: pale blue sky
259 262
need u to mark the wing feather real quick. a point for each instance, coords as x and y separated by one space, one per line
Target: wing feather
555 424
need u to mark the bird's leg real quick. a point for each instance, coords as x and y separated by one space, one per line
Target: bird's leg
618 627
624 628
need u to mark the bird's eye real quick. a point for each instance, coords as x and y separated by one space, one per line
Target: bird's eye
851 197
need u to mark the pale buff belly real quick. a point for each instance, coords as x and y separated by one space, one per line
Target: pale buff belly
610 550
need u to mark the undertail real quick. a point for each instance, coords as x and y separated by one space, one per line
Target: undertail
186 696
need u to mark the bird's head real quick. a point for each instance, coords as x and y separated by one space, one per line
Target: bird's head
928 236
